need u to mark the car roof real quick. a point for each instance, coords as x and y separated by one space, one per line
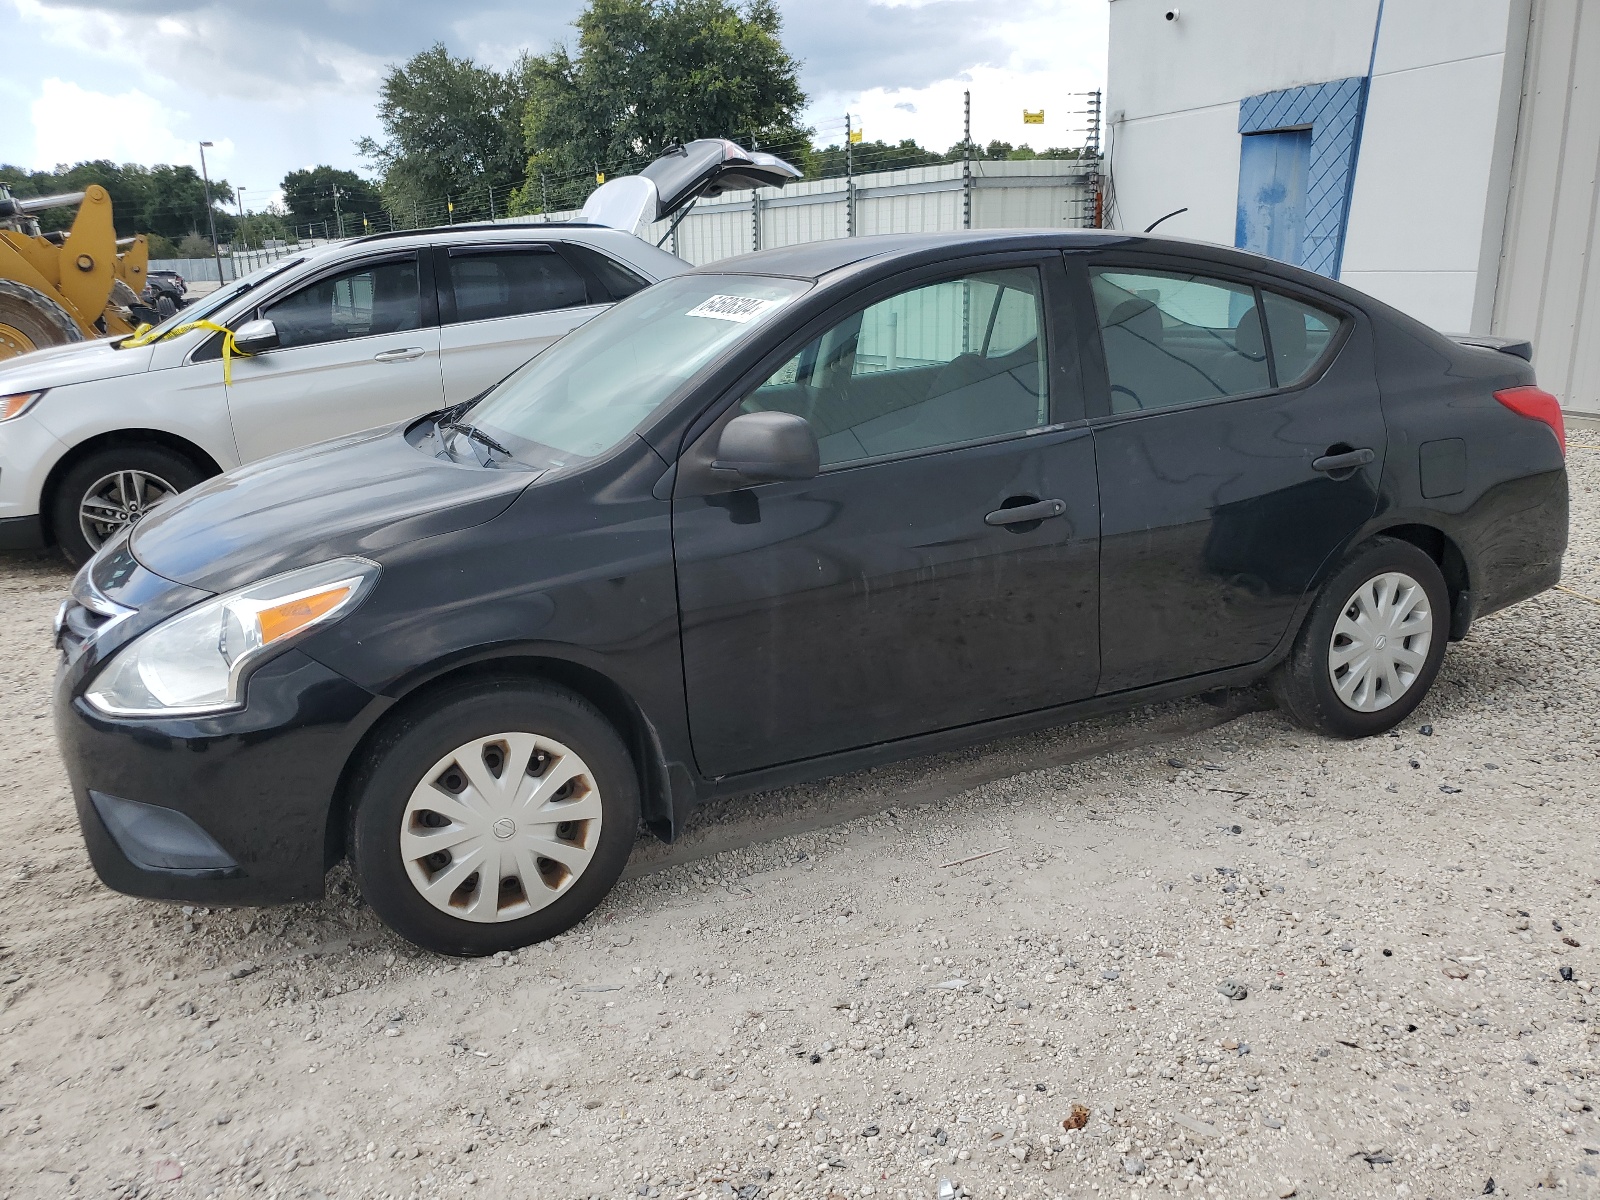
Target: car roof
852 255
813 260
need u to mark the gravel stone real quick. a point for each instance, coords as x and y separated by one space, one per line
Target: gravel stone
695 1009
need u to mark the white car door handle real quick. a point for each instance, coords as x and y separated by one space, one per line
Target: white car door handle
405 355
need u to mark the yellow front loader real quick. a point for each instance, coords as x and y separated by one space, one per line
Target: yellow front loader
57 288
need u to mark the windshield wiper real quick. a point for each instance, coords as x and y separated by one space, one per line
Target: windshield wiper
476 434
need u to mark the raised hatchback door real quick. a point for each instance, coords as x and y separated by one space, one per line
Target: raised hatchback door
940 569
356 348
1242 450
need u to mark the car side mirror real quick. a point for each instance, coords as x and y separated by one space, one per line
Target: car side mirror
255 336
768 447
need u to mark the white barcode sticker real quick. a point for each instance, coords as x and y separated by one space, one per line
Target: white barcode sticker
731 308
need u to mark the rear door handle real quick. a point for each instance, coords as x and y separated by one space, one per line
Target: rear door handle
405 355
1039 511
1347 461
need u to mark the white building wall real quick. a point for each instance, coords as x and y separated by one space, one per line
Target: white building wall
1173 92
1549 278
1426 214
1427 205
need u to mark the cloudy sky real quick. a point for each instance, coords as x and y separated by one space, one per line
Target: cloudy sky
293 83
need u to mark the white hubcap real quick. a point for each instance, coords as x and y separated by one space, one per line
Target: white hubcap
1380 642
500 827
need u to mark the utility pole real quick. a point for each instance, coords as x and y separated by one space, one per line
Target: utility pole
211 217
966 159
849 178
238 198
338 217
491 202
544 194
1092 206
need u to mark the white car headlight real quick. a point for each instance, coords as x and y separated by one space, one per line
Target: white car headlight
196 662
17 403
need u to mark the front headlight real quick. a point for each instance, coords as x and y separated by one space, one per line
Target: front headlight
196 662
17 403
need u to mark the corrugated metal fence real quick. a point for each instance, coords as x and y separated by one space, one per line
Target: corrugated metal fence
1026 194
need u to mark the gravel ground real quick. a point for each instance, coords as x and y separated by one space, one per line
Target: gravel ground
1009 969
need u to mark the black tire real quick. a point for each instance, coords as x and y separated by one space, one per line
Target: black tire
166 307
174 470
1304 683
38 320
404 755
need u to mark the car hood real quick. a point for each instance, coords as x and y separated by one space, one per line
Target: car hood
357 495
76 362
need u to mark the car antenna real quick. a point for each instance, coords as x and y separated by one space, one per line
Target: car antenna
1169 216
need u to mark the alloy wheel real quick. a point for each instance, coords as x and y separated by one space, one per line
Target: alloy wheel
500 827
1380 642
117 500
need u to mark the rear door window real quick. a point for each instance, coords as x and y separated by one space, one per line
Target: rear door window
1177 338
614 281
1300 334
511 281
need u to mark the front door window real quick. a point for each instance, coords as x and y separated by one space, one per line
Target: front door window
952 362
364 301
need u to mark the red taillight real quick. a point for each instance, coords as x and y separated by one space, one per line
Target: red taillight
1539 405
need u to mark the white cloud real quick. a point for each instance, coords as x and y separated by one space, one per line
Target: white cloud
71 123
211 51
1025 55
932 115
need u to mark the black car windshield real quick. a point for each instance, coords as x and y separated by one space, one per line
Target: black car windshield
599 383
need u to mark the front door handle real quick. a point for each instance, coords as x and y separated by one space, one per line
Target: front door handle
1038 511
405 355
1349 460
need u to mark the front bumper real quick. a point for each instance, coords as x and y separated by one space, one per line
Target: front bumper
232 809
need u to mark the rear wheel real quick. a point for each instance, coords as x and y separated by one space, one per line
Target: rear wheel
111 489
499 818
30 320
1371 646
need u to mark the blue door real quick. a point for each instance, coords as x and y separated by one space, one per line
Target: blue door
1272 193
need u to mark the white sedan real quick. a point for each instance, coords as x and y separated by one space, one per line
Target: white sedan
338 339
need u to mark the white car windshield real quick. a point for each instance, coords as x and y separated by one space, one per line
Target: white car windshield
206 305
602 381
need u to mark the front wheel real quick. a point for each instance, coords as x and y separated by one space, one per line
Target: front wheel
1371 646
500 817
113 488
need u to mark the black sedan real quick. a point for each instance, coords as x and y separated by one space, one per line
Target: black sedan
785 516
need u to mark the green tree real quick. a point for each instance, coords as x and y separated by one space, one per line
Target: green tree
828 161
308 197
254 230
649 74
163 199
453 130
194 245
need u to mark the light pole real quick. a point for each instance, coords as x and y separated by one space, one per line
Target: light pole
211 219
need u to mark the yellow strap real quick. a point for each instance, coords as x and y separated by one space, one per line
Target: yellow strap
142 337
